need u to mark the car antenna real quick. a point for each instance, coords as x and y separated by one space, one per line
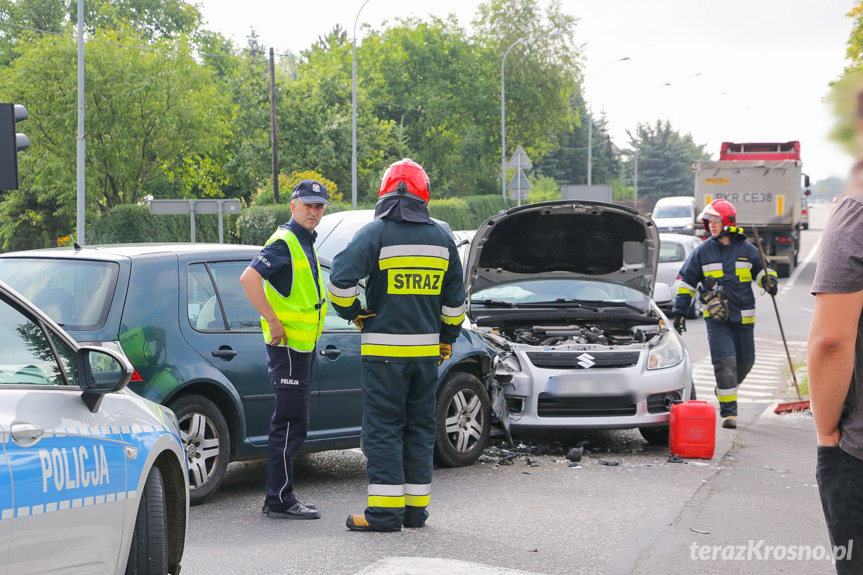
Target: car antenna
75 245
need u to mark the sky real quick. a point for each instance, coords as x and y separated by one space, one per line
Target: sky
736 70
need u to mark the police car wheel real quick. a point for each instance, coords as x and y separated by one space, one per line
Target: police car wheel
463 417
148 554
206 439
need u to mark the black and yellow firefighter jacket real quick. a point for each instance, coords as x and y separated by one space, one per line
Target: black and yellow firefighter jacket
414 285
733 266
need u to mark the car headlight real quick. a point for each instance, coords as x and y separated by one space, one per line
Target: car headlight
667 353
689 227
508 362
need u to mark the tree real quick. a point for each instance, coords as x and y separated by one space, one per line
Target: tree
568 163
665 160
152 114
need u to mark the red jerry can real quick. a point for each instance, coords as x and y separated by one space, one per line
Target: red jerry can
692 430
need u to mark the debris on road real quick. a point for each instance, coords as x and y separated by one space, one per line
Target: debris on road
609 462
768 468
699 531
575 454
676 459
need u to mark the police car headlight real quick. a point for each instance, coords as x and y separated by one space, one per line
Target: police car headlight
689 227
667 353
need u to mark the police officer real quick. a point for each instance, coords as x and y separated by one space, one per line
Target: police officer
725 265
415 294
292 303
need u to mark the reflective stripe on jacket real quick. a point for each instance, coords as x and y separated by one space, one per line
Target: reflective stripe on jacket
733 266
302 311
414 286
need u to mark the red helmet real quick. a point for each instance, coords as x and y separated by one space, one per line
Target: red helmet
406 176
719 211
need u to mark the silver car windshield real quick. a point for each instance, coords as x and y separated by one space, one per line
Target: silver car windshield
561 291
75 293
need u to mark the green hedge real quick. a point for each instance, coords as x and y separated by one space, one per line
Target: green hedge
257 223
465 213
135 224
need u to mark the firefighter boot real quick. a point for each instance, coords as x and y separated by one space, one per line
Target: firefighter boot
725 370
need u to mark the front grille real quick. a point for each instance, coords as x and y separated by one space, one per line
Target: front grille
583 359
603 406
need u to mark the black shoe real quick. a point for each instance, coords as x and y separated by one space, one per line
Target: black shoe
729 422
296 511
266 507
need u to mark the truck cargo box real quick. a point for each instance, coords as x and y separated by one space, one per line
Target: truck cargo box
766 194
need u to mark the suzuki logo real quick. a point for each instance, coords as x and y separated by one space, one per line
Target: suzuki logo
585 360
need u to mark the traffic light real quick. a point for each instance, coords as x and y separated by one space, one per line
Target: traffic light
10 143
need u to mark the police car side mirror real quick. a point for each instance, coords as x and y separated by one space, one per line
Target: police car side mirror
101 371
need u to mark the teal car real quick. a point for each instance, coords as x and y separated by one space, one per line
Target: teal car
179 313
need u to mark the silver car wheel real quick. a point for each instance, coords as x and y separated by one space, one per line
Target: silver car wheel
464 422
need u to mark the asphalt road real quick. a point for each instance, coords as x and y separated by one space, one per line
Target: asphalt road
539 515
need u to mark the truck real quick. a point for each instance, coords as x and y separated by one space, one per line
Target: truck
766 184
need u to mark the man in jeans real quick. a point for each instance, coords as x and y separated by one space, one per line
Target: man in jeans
835 362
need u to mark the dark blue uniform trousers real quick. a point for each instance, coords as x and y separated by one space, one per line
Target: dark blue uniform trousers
732 351
291 378
398 439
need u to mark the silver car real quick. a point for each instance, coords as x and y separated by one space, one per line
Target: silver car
674 249
92 476
562 291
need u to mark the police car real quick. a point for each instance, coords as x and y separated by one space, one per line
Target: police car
92 476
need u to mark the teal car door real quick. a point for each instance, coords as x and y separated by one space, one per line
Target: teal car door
337 378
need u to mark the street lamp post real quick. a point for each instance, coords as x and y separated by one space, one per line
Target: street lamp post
554 34
354 115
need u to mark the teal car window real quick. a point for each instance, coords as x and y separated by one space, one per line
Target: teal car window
77 294
215 296
26 356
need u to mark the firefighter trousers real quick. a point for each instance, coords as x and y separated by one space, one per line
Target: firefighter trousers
732 351
398 440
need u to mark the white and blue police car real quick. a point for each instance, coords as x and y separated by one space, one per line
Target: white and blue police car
93 478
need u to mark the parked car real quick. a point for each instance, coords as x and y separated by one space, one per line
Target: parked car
180 315
93 478
676 214
562 290
673 251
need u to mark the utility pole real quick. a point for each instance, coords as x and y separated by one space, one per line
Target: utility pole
274 141
81 206
589 149
635 175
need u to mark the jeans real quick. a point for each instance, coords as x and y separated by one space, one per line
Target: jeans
840 483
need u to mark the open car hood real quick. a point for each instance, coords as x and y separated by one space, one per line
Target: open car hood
565 239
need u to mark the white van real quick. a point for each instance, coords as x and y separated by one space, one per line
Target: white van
676 214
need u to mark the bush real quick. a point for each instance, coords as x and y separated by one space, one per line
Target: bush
465 213
256 224
135 224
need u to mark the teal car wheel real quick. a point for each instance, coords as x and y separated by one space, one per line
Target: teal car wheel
463 420
206 440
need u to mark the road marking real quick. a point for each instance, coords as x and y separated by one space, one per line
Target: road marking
768 376
809 257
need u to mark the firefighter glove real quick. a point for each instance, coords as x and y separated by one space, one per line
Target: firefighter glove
770 285
362 317
445 352
679 323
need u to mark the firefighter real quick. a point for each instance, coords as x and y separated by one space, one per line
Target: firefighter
415 306
292 303
725 265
